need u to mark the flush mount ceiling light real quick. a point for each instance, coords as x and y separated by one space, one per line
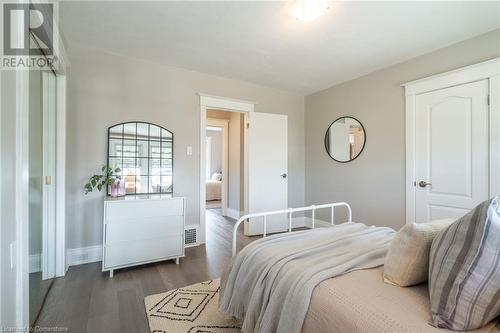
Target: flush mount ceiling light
308 10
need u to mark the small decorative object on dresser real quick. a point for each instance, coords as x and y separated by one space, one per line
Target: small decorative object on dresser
140 229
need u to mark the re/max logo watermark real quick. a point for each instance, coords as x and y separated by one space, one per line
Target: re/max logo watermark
28 36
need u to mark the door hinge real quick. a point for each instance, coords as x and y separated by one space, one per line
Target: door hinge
488 100
248 125
48 180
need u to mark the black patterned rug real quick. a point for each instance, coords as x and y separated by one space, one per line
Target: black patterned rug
192 309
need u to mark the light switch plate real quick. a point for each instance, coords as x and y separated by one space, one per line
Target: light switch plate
189 150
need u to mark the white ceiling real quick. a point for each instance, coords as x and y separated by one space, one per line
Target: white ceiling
261 43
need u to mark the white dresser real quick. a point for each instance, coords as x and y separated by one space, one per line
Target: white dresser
142 229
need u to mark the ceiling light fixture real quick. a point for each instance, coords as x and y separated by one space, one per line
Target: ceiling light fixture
308 10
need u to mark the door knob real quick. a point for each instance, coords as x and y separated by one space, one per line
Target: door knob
283 175
423 183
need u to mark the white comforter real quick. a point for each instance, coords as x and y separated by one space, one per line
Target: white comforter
270 282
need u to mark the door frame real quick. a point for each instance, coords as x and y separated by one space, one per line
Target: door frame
224 124
225 104
489 70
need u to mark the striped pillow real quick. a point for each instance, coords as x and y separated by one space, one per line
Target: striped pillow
464 270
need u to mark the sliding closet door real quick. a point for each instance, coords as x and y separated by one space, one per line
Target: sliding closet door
451 151
42 157
37 287
49 173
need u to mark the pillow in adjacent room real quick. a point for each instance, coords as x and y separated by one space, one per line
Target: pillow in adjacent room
217 176
464 270
407 261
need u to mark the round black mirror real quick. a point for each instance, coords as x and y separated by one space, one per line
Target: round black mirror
345 139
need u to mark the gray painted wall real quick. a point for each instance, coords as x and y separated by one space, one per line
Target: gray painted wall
236 165
374 183
105 89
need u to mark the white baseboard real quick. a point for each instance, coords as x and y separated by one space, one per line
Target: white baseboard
317 223
298 222
35 263
83 255
233 213
306 222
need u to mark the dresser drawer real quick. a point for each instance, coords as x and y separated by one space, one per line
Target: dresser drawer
143 209
144 229
125 254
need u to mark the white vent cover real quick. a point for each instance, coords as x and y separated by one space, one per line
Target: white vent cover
190 237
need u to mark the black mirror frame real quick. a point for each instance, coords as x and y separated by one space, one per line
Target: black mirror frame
326 136
148 123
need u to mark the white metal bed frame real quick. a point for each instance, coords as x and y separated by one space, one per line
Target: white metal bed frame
289 211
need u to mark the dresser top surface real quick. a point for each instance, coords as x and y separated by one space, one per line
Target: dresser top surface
142 197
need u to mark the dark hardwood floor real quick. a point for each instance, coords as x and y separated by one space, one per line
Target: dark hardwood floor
87 300
38 291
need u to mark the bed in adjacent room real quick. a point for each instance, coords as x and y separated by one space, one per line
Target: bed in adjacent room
214 187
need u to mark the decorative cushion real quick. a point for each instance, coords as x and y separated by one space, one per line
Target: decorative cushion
407 261
464 270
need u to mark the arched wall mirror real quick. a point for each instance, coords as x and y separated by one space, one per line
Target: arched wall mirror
345 139
144 154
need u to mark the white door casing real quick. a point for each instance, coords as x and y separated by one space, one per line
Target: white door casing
451 150
267 170
225 104
482 79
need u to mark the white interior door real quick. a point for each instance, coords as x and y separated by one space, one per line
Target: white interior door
451 150
267 170
339 140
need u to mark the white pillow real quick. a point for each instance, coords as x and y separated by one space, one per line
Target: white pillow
217 176
407 261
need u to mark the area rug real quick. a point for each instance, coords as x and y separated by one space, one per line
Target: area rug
192 309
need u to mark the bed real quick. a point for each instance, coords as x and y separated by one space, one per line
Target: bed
320 280
336 302
213 191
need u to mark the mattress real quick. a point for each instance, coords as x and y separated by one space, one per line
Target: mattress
213 190
361 302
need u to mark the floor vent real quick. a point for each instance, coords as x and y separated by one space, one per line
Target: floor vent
190 237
